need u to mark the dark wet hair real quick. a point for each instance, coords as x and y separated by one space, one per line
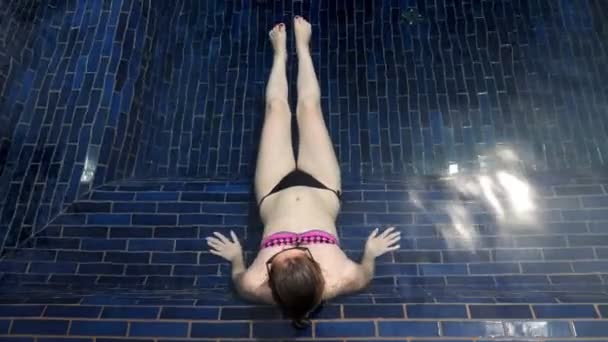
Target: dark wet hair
297 287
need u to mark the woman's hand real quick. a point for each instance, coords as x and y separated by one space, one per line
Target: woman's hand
377 245
222 246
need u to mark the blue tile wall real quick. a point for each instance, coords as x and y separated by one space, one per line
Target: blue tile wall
128 133
75 103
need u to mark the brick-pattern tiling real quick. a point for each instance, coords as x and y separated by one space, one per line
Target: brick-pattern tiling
97 91
74 100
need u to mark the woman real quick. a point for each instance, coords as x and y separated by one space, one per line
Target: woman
300 263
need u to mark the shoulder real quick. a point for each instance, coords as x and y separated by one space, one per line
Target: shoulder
344 279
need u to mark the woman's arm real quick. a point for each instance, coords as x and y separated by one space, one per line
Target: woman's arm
246 284
358 275
244 280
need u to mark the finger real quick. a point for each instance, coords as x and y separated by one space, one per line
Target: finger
394 240
214 252
393 248
221 237
235 239
212 240
388 231
374 233
396 235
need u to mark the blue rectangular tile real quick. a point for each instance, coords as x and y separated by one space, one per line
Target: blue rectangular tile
127 257
189 313
582 279
591 328
158 329
135 270
442 269
500 311
154 219
473 329
494 268
99 328
407 328
19 339
151 245
133 207
564 311
4 326
278 329
101 268
537 329
79 256
127 232
154 196
65 339
109 219
112 196
546 267
64 311
179 207
130 312
21 310
516 254
41 327
52 267
103 245
568 253
176 232
250 313
466 256
373 311
345 329
436 311
596 266
603 310
200 219
223 329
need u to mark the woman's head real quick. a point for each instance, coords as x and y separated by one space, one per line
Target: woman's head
296 282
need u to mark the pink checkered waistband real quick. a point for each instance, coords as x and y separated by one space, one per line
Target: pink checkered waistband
307 238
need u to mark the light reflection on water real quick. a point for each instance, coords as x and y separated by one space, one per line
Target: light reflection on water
499 188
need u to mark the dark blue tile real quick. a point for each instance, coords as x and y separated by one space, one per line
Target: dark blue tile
72 311
157 196
500 311
127 257
223 329
99 328
179 207
373 311
250 313
590 266
473 329
538 329
345 329
158 329
52 267
100 268
190 313
19 339
130 312
42 327
590 329
21 310
442 269
436 311
568 253
151 245
546 267
154 219
64 339
278 329
407 328
603 310
103 245
176 232
133 207
564 311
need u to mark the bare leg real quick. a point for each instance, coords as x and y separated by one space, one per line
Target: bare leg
275 156
316 154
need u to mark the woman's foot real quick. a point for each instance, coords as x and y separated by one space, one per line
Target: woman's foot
303 31
278 40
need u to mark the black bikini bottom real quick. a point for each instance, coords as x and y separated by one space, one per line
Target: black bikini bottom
298 177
